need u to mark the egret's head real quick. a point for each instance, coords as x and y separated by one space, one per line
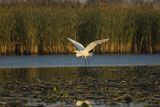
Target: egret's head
75 51
77 54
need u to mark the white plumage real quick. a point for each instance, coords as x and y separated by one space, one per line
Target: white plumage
84 52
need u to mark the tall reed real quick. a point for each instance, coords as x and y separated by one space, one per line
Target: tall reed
43 29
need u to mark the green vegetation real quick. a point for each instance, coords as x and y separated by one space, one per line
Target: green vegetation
43 29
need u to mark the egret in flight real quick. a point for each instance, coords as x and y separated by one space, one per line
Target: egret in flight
85 52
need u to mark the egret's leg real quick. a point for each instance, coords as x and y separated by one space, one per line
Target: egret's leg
84 61
88 62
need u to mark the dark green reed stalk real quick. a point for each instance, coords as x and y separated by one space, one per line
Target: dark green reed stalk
43 29
89 23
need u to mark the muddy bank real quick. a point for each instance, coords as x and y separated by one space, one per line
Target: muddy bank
102 86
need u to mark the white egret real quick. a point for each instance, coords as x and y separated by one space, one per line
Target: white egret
85 52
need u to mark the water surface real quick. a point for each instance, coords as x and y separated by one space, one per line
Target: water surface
64 81
44 61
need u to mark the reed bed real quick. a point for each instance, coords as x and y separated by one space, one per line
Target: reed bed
43 29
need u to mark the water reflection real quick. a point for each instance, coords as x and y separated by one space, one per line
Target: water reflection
107 86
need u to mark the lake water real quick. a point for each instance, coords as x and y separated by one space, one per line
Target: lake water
65 81
72 61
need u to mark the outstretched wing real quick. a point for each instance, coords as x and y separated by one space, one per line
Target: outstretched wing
76 44
94 43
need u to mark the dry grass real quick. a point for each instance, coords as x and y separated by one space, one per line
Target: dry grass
43 29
